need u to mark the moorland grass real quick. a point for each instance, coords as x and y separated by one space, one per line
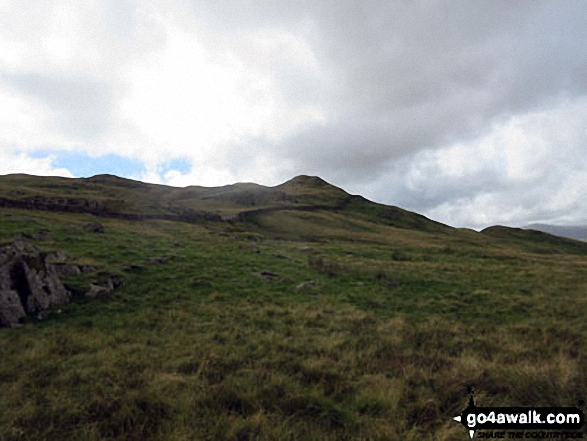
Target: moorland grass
204 346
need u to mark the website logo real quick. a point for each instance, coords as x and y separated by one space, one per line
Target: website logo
503 419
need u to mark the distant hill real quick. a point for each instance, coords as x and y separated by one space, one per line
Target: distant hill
535 240
577 232
112 196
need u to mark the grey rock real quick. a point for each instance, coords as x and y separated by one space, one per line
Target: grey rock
305 285
105 287
11 310
68 270
56 257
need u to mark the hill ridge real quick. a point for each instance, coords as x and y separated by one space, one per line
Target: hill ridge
112 196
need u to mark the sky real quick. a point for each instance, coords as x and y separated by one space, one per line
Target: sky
473 113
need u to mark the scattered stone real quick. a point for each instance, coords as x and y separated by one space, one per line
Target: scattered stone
157 260
105 287
305 285
268 275
133 267
40 235
98 290
177 244
93 227
392 284
68 270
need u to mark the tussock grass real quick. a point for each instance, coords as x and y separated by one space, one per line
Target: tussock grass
201 347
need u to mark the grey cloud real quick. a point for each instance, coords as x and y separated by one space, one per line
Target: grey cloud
394 79
412 75
84 107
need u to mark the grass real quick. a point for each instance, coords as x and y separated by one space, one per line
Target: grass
204 346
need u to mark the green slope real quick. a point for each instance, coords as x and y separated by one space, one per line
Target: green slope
214 334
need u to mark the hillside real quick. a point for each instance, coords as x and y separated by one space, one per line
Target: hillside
111 196
290 312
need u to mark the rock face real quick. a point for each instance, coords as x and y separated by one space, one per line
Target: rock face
11 310
29 283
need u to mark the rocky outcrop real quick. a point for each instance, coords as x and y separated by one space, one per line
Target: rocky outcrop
109 210
29 283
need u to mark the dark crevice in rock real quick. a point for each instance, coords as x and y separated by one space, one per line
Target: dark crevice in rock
19 282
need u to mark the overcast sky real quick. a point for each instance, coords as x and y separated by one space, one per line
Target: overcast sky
471 112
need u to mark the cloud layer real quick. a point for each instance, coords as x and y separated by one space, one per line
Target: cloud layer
473 113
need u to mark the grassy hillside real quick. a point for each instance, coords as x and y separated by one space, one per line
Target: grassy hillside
107 195
214 334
